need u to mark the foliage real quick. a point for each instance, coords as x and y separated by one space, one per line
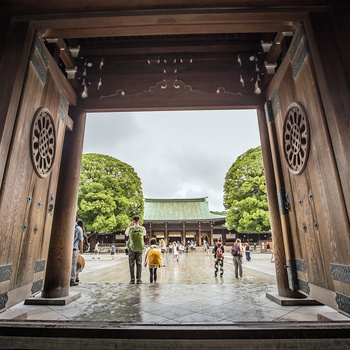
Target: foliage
245 194
110 193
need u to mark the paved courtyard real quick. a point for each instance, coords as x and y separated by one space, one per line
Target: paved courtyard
186 292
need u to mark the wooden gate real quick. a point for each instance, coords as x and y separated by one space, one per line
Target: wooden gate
311 199
27 198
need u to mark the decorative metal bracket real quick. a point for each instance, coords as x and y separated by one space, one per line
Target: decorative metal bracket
51 204
283 201
269 112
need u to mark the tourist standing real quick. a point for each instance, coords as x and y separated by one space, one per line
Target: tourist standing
162 247
112 251
153 259
247 251
77 248
236 252
176 251
136 234
96 250
218 251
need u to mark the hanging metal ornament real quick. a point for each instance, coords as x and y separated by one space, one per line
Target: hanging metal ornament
257 90
85 90
241 80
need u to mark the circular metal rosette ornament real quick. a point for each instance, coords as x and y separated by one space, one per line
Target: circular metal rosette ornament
43 142
296 138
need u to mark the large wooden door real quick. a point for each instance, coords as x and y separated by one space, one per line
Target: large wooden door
28 193
318 222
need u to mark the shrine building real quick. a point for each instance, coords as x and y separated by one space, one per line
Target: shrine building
183 220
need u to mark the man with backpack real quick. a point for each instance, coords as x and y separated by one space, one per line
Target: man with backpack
136 234
218 251
154 259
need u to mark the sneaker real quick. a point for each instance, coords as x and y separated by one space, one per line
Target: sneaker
132 282
139 281
73 283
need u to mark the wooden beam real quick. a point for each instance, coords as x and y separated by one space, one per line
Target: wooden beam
190 101
65 54
170 30
101 25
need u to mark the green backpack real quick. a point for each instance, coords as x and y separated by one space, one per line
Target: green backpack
136 242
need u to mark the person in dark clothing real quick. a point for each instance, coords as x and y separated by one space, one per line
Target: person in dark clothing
218 252
247 251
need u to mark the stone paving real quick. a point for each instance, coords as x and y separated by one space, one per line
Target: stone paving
186 292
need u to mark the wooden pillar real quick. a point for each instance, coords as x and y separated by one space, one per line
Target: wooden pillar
183 238
59 261
166 237
275 216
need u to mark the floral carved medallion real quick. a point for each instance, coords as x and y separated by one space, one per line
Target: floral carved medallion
296 138
43 142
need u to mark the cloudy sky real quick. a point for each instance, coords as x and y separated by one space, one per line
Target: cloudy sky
176 154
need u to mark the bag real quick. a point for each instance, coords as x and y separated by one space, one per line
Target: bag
235 251
86 245
136 241
219 254
154 257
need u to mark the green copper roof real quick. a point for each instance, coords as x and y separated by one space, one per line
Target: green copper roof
178 210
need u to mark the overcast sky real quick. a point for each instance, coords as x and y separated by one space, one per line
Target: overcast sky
176 154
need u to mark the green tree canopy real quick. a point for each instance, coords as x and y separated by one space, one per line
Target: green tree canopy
245 194
110 193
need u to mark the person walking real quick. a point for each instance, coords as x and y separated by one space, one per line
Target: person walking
162 247
136 234
236 252
96 250
80 259
77 248
153 259
176 251
218 251
113 251
247 251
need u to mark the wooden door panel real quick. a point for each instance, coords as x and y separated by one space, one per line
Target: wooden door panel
25 235
319 226
18 178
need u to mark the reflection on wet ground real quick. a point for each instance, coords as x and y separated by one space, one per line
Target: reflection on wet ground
186 292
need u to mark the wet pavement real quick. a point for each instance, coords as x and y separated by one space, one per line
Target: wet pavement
186 292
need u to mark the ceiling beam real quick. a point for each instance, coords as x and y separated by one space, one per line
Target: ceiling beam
171 24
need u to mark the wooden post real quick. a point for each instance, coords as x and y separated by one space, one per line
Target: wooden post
275 217
59 260
166 235
183 237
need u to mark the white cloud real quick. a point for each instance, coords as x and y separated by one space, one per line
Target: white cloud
176 154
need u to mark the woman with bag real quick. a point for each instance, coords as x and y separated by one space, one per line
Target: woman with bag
236 252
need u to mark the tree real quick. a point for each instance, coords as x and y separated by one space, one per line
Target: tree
110 193
245 194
